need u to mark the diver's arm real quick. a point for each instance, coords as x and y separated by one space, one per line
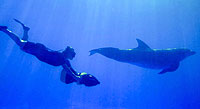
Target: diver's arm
70 67
73 73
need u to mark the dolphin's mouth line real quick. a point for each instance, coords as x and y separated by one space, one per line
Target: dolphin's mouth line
193 52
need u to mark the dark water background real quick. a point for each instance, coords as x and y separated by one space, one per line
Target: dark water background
25 82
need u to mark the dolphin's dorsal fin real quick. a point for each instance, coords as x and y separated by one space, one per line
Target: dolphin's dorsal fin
142 45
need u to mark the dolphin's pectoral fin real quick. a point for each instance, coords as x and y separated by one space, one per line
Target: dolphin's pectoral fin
172 68
142 45
163 71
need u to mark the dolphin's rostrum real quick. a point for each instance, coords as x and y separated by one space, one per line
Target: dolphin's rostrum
166 59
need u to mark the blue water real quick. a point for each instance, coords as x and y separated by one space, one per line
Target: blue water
27 83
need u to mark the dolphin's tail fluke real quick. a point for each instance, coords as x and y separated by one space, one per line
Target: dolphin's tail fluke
93 51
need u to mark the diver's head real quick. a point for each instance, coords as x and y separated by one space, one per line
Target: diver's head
88 80
69 53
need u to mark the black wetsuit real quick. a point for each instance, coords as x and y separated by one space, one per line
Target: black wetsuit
57 58
44 54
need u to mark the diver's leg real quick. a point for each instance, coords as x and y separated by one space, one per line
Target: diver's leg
14 37
25 28
25 34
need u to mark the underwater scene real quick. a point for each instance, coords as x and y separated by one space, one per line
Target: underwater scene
99 54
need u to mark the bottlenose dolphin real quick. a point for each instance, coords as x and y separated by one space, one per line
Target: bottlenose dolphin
165 59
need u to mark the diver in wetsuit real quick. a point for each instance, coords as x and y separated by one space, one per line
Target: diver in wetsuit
55 58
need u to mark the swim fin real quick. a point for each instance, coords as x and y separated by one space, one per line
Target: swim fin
24 27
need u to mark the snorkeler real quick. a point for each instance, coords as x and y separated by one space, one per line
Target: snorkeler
55 58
